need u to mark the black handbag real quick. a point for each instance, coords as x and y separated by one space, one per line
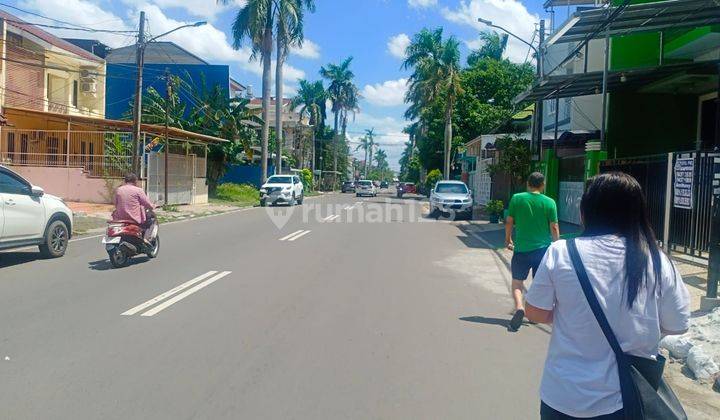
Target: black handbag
645 394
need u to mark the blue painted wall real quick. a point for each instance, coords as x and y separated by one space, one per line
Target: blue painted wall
121 79
244 174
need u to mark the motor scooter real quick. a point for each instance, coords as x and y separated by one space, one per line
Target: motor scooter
124 239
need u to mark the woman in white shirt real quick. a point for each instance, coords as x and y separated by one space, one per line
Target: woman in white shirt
638 288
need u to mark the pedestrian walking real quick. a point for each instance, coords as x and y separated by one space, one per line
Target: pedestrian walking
533 215
617 269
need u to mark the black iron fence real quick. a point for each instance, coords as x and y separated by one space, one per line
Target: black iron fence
682 226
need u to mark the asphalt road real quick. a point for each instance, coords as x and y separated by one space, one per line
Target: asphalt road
377 313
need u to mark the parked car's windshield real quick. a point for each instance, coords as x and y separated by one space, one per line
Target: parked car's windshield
365 183
280 180
451 189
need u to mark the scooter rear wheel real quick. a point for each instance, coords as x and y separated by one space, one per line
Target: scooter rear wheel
155 247
118 257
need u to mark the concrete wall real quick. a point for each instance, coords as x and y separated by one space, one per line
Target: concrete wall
70 184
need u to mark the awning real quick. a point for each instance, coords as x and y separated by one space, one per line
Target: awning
646 17
564 3
689 76
157 130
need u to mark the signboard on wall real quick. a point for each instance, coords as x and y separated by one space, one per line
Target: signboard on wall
683 187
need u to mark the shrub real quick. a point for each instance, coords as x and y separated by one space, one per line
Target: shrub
306 177
495 207
237 193
432 178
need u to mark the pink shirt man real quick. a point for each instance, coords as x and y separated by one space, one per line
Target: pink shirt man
130 203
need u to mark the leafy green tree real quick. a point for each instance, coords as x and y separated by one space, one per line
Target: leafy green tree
490 87
436 73
432 178
514 160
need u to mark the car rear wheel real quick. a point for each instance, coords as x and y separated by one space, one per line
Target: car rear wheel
302 198
56 240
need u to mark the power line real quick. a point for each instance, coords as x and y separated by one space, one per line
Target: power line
53 19
43 25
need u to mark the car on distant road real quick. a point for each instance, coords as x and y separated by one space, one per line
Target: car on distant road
30 217
365 187
451 197
407 188
282 189
348 186
384 184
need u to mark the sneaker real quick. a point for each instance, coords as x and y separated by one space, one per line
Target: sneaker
517 320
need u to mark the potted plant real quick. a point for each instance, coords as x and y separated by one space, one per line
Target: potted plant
495 209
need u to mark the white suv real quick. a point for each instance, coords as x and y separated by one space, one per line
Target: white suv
28 216
282 189
365 187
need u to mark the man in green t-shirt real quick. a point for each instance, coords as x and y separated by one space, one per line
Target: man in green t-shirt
534 217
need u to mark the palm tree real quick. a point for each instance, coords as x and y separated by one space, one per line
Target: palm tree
370 144
436 76
341 92
311 100
382 163
289 33
494 46
254 24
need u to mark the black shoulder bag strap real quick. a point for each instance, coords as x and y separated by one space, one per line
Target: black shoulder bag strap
626 384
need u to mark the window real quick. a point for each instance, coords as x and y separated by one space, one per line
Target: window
11 185
75 94
296 180
279 180
451 188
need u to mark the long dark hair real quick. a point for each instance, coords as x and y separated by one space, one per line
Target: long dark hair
614 203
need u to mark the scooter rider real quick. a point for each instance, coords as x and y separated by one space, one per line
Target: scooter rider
131 203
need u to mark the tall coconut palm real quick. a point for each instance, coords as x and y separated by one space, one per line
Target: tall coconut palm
340 93
254 24
436 76
382 163
370 134
493 46
289 32
310 100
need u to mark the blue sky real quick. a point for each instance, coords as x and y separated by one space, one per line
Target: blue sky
373 32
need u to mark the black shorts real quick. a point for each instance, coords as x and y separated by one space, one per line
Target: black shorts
523 262
549 413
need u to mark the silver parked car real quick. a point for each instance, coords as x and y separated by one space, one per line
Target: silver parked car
453 197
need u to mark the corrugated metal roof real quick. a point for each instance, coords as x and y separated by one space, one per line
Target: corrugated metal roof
646 17
572 85
48 37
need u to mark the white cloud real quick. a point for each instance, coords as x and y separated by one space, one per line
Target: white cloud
309 50
421 4
510 14
207 9
207 41
397 44
388 93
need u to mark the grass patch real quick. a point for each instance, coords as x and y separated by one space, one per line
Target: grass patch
235 194
83 224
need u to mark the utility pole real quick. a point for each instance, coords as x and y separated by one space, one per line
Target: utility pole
137 109
539 105
168 99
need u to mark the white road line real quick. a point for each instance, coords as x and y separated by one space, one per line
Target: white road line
299 236
167 294
285 238
328 218
185 294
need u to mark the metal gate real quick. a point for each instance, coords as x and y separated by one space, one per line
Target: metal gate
181 171
481 182
684 230
571 174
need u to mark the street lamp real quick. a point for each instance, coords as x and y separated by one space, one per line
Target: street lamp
534 48
537 115
140 61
